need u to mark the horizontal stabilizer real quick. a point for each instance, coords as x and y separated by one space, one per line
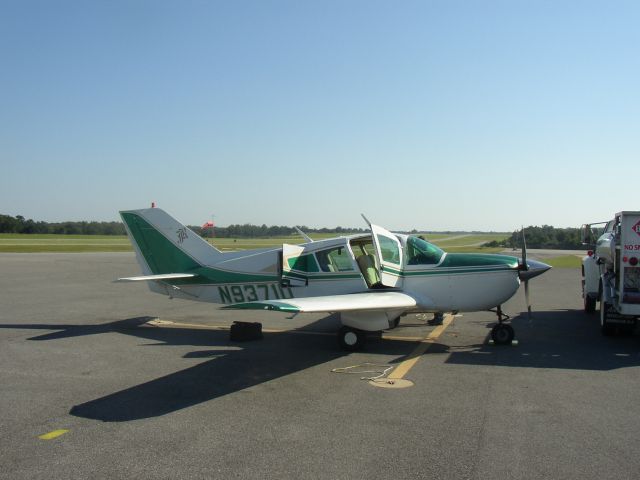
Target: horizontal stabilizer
163 276
367 301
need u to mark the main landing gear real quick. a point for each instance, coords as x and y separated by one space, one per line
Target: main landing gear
351 339
502 333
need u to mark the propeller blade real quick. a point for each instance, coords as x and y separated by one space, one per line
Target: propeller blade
525 266
527 299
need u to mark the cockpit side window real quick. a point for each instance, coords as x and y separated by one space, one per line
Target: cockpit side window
421 252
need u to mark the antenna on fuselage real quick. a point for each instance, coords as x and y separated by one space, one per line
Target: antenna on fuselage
304 235
366 220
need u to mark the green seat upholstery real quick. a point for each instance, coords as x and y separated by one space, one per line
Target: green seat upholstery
368 268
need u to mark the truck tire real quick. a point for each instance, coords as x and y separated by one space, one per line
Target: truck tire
606 327
589 303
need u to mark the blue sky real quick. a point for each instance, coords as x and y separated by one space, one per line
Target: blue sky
429 115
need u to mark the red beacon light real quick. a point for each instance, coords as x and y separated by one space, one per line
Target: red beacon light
590 253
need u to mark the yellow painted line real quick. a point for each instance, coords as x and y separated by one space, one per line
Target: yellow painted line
403 338
401 370
52 435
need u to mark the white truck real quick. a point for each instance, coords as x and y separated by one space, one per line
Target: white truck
611 271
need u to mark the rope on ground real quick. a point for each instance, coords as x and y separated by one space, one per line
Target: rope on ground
381 370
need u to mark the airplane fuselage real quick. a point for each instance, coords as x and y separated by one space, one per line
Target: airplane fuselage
370 279
458 282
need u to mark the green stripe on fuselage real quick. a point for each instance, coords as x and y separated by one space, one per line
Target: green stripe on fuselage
462 263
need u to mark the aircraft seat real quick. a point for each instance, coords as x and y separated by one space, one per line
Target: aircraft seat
367 265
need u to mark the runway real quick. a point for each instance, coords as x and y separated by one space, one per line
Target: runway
107 380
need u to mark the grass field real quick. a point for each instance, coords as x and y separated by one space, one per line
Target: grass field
462 240
564 261
17 243
20 243
467 243
453 243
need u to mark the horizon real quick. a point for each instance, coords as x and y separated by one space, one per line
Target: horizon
196 224
347 228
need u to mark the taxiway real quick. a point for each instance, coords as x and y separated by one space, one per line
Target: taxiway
90 388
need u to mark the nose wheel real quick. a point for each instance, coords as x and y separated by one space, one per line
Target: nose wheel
502 333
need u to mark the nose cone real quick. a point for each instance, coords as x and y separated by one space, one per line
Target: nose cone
534 269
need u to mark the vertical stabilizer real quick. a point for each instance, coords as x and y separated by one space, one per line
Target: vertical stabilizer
163 245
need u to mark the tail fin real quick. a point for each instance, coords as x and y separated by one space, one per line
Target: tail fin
163 245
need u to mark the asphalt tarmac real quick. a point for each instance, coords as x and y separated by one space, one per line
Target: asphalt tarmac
120 397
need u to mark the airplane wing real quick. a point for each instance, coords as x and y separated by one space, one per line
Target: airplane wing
366 301
163 276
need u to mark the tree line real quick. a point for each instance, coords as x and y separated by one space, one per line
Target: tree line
537 237
545 236
19 224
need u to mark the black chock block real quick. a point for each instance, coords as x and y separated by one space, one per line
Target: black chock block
245 331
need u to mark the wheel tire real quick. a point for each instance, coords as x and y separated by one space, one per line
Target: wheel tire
589 303
502 334
350 339
605 327
627 330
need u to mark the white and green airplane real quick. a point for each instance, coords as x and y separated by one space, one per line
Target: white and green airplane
370 279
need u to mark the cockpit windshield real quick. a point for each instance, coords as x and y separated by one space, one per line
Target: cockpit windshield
421 252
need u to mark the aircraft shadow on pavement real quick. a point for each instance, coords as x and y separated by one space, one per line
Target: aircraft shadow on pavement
224 370
70 330
562 339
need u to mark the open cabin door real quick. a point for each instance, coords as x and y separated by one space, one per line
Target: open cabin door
296 265
389 254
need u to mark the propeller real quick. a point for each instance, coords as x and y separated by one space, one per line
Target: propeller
524 267
526 298
527 270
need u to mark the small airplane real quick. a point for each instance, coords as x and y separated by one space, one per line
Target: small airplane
370 279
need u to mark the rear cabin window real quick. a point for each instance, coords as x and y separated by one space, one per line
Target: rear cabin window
303 263
421 252
335 260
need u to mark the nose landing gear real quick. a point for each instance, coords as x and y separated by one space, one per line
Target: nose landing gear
502 333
